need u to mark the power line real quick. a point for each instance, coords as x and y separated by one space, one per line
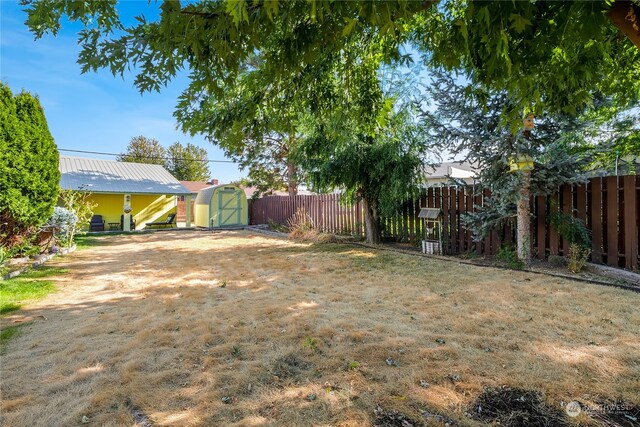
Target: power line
146 157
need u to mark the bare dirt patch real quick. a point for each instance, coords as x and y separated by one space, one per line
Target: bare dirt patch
235 329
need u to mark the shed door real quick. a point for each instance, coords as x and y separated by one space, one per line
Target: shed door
229 207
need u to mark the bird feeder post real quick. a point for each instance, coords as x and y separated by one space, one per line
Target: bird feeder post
524 165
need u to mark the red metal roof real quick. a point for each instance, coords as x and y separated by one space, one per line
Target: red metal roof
195 186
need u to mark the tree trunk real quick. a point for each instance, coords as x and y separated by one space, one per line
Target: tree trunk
371 222
292 184
626 16
524 219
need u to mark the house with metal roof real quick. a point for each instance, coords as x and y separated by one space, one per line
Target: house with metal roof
448 173
126 194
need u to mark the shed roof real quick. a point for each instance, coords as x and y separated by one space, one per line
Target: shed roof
109 176
204 196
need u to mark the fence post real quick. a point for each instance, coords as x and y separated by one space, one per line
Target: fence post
567 209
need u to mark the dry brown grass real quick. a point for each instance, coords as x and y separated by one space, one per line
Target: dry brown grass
299 336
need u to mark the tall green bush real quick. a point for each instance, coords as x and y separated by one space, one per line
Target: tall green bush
29 175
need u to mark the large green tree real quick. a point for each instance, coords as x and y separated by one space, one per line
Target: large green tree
256 123
144 150
187 162
614 135
551 57
363 141
29 175
472 124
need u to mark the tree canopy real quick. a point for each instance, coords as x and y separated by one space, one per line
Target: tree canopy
552 56
256 123
473 126
144 150
29 175
185 162
363 141
261 69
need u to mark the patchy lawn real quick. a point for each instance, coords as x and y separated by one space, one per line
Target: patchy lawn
235 329
26 287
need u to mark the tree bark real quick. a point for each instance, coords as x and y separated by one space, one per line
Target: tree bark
371 222
292 184
524 219
626 16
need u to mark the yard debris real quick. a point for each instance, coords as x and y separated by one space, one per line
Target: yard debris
614 414
29 319
290 367
447 422
328 387
391 362
141 419
393 418
514 407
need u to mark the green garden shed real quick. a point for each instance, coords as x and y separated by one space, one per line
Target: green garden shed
221 206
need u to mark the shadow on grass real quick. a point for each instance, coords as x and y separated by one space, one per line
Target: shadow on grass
6 334
28 286
85 241
180 346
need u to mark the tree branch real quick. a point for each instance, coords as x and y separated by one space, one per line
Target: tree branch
626 16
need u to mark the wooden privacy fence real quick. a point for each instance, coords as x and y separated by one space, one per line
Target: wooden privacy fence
326 211
609 207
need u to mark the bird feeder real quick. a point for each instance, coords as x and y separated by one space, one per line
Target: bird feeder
520 163
432 243
528 122
524 162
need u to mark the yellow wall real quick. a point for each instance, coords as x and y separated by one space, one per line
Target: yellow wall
145 208
201 214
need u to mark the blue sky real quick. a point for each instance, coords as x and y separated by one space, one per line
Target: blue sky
93 111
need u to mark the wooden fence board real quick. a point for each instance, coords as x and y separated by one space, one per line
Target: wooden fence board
453 223
554 239
567 209
477 201
596 220
541 226
461 231
612 220
469 209
630 222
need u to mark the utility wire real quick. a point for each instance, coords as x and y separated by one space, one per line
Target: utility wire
146 157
